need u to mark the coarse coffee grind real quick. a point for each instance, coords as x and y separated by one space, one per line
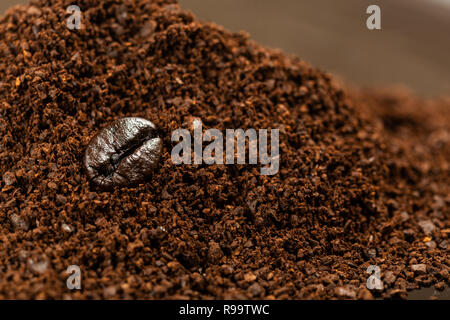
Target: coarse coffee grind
363 180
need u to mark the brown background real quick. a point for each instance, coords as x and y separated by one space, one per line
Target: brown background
413 47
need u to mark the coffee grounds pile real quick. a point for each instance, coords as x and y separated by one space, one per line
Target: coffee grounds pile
363 180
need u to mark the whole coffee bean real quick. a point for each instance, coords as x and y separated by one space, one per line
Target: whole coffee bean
124 153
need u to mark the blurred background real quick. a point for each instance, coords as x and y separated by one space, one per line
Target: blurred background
412 49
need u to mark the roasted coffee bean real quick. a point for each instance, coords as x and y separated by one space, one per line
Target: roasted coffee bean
124 153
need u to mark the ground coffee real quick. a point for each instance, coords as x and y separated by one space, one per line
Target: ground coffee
363 176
